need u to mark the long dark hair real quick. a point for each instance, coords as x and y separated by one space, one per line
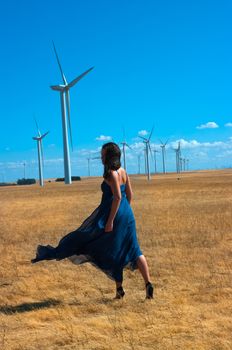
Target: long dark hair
112 158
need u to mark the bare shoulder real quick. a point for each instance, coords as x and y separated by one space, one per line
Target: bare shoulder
123 175
113 174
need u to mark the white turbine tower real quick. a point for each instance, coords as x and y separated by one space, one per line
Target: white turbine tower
39 138
181 164
146 141
89 159
24 170
163 145
183 159
65 107
124 145
178 156
145 160
139 162
155 151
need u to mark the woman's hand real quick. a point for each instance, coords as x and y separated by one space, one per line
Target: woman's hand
109 226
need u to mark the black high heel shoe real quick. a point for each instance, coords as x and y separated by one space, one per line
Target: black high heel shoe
149 290
119 293
43 253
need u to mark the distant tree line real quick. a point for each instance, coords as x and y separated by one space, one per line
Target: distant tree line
26 181
74 178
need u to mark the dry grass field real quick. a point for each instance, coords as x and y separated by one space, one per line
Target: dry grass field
185 230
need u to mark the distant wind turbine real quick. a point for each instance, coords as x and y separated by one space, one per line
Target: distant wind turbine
124 145
178 156
155 151
24 170
139 163
146 141
181 164
65 107
145 160
89 159
163 145
39 138
183 159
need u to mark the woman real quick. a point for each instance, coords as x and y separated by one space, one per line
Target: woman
107 238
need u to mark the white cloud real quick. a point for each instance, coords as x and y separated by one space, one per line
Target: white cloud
143 132
185 144
103 138
209 125
13 165
196 144
229 125
225 154
53 160
137 146
85 152
200 154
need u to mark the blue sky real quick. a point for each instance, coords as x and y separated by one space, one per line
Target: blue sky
166 63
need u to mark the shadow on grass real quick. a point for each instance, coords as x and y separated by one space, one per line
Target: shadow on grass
25 307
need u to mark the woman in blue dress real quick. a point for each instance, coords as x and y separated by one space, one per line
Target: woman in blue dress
107 238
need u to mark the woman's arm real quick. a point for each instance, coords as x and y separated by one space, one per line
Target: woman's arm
129 192
116 190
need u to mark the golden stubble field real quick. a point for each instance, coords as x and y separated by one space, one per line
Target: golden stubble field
185 230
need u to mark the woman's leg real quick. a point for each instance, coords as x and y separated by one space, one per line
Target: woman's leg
143 268
118 284
119 290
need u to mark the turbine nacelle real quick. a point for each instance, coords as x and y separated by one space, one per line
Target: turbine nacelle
60 88
40 137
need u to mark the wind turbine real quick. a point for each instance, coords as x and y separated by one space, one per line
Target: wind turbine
155 151
65 107
146 141
145 161
89 159
124 145
39 138
139 163
184 163
181 164
163 145
24 169
178 157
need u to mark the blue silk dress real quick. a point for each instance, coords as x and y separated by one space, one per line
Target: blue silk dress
108 251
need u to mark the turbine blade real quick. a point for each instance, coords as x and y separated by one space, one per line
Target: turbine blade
142 137
151 133
161 141
128 146
74 81
37 127
62 74
44 135
150 150
67 97
166 142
